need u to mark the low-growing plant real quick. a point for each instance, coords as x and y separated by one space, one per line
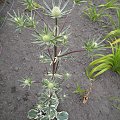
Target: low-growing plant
115 33
94 13
80 90
105 62
116 102
94 45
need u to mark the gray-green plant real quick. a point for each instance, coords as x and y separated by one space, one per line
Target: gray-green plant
94 45
50 39
46 108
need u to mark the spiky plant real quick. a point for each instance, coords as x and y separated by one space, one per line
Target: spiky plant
51 38
18 19
94 45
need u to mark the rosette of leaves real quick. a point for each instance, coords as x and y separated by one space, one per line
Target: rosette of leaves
23 21
18 19
46 37
26 82
105 62
46 109
94 45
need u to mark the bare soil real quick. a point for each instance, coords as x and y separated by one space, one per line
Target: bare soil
19 58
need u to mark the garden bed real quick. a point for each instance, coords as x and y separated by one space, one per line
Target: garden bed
19 58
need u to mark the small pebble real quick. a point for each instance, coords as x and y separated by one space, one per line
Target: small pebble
16 69
26 59
18 98
68 86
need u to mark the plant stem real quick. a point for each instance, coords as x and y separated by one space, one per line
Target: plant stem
55 48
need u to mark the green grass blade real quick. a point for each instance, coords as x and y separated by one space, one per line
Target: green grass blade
100 60
102 71
99 68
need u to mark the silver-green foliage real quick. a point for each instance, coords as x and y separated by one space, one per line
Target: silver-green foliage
46 109
23 21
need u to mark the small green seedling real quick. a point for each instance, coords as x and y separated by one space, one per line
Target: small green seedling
79 90
94 45
116 102
93 13
26 82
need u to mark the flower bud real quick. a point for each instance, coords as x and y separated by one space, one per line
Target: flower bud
56 12
46 38
50 85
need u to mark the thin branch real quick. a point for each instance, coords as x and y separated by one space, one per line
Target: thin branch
71 52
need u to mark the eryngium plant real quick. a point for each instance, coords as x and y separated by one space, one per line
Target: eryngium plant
94 45
50 39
